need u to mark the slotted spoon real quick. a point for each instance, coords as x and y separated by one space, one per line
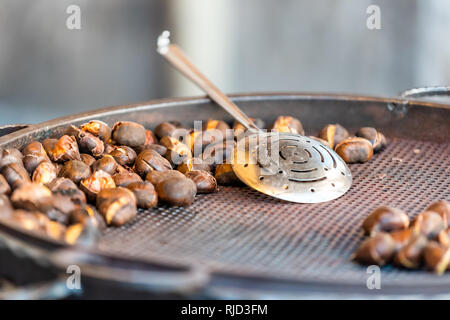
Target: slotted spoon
286 166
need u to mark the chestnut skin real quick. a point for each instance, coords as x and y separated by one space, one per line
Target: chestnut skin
204 181
107 164
190 164
288 124
177 191
164 129
377 250
9 156
33 154
430 223
411 255
87 142
67 187
124 155
333 134
6 208
83 213
44 173
75 170
145 193
96 182
16 175
385 219
66 148
128 133
442 208
87 159
355 150
98 128
150 160
117 205
376 138
155 177
437 257
123 179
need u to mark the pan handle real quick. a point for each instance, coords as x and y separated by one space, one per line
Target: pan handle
154 278
4 130
425 92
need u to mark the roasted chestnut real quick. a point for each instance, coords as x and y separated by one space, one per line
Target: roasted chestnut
6 208
83 234
66 148
75 170
117 205
106 164
204 181
44 173
333 134
238 128
150 138
355 150
9 156
38 222
87 142
58 208
288 124
191 164
48 145
155 177
123 179
16 175
145 193
176 151
403 237
385 219
156 147
127 133
410 256
226 176
442 208
5 189
87 159
98 181
31 196
376 250
430 224
33 155
164 129
124 155
82 214
150 160
437 257
177 191
376 138
97 128
218 153
67 187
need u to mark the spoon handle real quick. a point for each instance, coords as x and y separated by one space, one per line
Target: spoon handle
179 60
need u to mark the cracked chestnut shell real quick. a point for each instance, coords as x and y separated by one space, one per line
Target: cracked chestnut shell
66 148
191 164
117 205
177 151
83 234
87 142
204 181
31 197
145 193
107 164
385 219
124 155
155 177
87 159
411 255
9 156
150 160
333 134
75 170
355 150
16 175
123 179
442 208
33 155
67 187
128 133
44 173
81 214
219 153
98 128
376 250
430 224
288 124
376 138
96 182
177 191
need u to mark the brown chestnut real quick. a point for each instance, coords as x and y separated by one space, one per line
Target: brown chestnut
96 182
67 187
430 224
75 170
164 129
333 134
150 160
225 175
145 193
31 196
376 138
66 148
16 175
87 142
98 128
117 205
403 237
191 164
410 256
176 151
128 133
156 147
155 177
442 208
376 250
106 164
83 234
6 208
44 173
124 155
218 153
150 138
385 219
204 181
437 257
5 189
288 124
355 150
177 191
49 144
87 159
9 156
238 128
81 214
33 155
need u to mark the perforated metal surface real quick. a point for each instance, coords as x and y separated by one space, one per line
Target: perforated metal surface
242 231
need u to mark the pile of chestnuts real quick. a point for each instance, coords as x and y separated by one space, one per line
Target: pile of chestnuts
95 176
424 241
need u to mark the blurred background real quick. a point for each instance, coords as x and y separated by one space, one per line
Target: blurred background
47 70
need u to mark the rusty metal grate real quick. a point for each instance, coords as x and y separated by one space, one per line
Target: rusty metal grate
241 231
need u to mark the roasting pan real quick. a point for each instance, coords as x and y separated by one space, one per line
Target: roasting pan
242 244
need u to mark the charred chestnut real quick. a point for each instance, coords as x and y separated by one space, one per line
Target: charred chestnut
376 138
376 250
124 155
333 134
204 181
177 191
66 148
44 173
150 160
226 176
150 138
98 181
288 124
145 193
155 177
123 179
87 142
127 133
5 189
437 257
385 219
355 150
117 205
67 187
442 208
16 175
98 128
75 170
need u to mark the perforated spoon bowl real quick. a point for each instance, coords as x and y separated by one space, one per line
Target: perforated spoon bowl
286 166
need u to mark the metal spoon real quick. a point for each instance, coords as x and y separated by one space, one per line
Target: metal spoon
282 165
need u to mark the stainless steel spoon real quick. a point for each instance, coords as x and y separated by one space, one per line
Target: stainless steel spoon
287 166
